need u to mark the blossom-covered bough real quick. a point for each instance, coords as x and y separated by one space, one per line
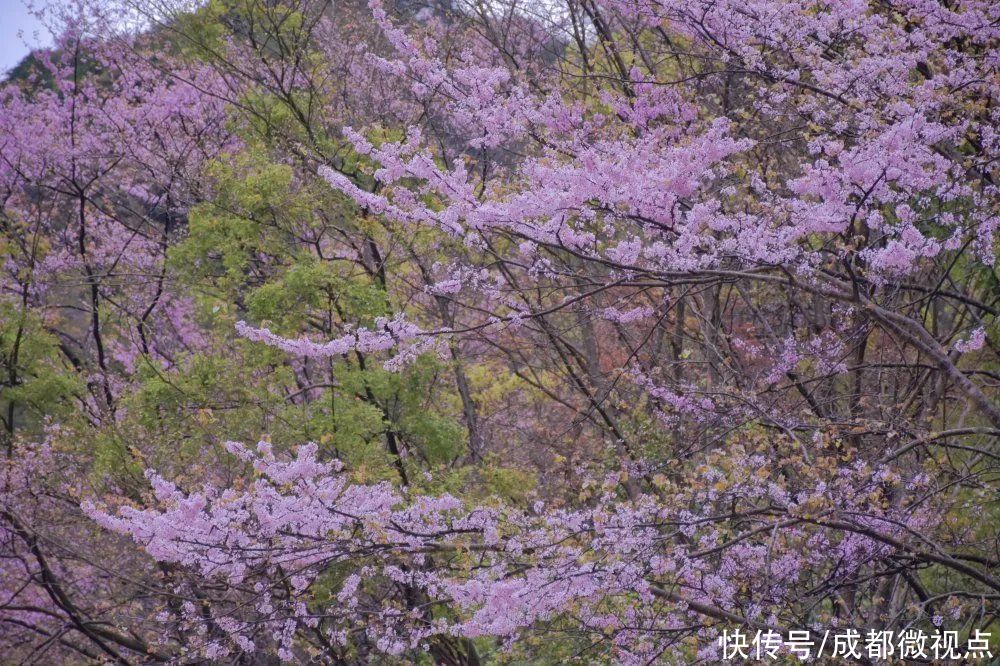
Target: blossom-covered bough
728 269
510 571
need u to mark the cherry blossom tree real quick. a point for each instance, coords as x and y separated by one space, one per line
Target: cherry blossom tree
612 324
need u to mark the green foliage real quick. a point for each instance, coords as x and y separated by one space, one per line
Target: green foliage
33 377
246 220
204 30
245 254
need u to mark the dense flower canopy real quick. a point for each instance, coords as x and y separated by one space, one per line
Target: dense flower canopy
577 331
